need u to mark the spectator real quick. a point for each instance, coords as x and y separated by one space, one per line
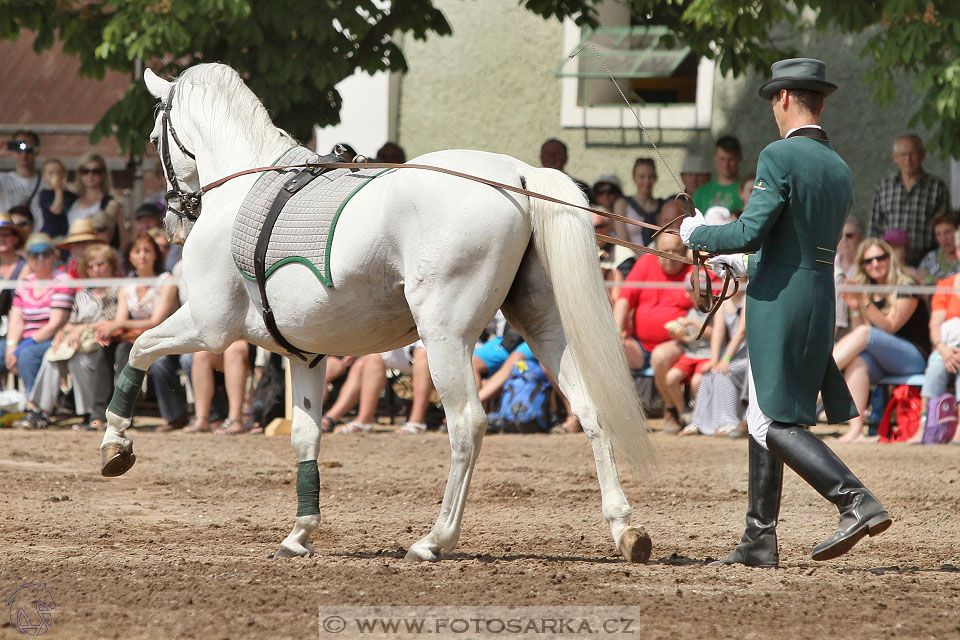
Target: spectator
718 409
844 268
615 261
898 241
102 228
391 152
140 308
642 313
606 191
80 237
22 217
942 261
94 194
553 155
944 361
694 173
746 188
54 199
235 365
22 185
366 382
642 207
891 336
37 314
909 199
724 190
74 349
12 267
160 237
688 368
146 217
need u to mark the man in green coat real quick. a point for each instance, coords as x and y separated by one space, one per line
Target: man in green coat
800 200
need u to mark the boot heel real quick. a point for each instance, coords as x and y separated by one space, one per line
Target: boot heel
879 524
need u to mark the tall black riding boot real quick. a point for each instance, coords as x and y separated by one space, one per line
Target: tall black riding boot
758 545
860 512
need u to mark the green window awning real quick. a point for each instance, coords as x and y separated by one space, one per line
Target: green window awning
629 52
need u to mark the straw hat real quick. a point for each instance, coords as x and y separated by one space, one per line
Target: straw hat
80 231
7 221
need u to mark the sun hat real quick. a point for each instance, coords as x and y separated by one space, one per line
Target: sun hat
695 164
609 178
7 221
80 231
797 73
38 243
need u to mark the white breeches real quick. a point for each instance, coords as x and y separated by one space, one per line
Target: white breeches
757 421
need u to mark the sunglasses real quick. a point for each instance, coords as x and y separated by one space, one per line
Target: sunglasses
23 223
880 258
100 229
97 171
41 254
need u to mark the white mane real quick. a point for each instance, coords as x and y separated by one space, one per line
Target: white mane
230 108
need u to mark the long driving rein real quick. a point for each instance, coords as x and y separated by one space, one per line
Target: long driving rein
189 203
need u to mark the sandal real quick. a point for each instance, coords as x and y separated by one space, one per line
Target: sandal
354 427
690 430
230 427
563 429
327 424
412 428
198 424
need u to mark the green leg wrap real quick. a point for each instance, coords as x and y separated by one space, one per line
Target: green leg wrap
308 488
126 392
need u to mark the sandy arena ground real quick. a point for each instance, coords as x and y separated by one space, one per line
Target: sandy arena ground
179 547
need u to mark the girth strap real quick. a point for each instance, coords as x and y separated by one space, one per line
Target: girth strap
290 187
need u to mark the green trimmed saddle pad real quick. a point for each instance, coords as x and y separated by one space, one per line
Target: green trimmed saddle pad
304 230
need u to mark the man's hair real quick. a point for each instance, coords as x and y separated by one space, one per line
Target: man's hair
19 134
559 142
909 136
944 217
731 145
809 101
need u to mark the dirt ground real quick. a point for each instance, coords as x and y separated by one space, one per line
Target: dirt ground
179 547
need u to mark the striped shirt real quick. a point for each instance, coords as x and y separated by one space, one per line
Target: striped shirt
896 208
36 307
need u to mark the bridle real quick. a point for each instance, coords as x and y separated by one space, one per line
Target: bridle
188 201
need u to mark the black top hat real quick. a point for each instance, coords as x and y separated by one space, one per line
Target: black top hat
797 73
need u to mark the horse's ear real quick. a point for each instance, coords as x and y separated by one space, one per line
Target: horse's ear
156 85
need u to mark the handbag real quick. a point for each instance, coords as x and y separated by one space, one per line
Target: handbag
64 351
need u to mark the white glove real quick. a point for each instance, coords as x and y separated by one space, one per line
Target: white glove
689 224
735 262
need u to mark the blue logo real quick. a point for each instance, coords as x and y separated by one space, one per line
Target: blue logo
31 609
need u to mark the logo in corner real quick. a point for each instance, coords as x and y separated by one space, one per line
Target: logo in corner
31 609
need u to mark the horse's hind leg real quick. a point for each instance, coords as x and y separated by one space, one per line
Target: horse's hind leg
308 390
452 374
531 309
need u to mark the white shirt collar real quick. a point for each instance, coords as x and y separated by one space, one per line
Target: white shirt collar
806 126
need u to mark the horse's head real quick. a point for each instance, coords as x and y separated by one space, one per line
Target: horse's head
178 162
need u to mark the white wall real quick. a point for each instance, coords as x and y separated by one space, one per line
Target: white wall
365 117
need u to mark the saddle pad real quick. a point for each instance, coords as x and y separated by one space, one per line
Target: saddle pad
304 230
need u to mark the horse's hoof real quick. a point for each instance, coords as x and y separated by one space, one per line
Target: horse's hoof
294 550
420 555
116 459
635 545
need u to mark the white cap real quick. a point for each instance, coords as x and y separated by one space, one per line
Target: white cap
696 164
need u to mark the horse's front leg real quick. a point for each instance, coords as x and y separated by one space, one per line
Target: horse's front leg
308 390
177 334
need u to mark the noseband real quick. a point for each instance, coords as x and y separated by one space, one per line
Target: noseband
188 201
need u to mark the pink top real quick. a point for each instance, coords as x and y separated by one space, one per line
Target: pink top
36 308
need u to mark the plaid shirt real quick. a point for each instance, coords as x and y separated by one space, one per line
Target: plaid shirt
896 208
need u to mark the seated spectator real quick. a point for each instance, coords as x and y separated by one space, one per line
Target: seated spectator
80 237
615 261
890 334
55 199
687 370
695 173
391 152
899 241
36 314
146 217
102 228
366 382
944 361
642 313
74 349
844 267
746 189
160 237
606 191
642 206
22 217
724 190
12 267
943 261
141 308
234 363
93 191
718 409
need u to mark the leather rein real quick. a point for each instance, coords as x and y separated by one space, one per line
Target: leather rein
189 205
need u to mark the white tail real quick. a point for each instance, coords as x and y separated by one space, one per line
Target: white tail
565 241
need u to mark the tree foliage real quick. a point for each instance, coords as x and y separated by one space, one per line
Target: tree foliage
916 37
292 52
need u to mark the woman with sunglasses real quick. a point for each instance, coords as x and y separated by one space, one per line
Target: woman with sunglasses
37 313
890 334
94 193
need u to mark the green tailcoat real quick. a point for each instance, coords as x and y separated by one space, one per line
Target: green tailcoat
793 221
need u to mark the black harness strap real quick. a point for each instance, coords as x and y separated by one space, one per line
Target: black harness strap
290 187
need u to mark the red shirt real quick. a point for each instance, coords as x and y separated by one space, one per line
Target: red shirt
946 298
653 308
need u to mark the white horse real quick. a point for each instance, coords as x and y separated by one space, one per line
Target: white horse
415 253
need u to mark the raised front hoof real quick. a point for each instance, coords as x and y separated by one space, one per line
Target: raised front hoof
838 544
635 545
116 460
294 550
